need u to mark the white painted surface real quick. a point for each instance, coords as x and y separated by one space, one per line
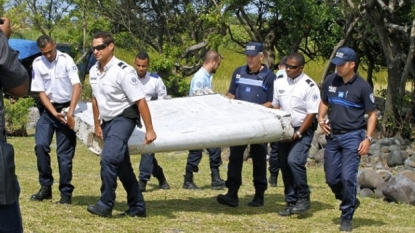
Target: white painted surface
196 122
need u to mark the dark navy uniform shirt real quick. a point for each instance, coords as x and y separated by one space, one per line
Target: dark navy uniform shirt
348 102
255 88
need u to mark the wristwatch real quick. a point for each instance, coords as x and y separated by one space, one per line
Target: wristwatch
299 134
369 138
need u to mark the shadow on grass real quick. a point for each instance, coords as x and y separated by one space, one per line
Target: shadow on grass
361 222
188 203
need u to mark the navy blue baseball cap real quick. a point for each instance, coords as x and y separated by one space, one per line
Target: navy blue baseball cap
344 55
253 48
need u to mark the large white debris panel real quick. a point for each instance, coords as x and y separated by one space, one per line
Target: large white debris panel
196 122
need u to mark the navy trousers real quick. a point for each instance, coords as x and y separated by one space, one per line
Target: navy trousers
293 158
10 217
194 157
341 163
259 164
115 161
46 126
274 164
149 166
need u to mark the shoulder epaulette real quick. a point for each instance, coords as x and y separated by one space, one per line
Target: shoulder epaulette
122 65
311 83
154 75
38 58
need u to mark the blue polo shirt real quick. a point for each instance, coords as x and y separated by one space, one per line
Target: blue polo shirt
252 87
348 102
201 79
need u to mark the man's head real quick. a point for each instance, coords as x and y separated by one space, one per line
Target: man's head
294 65
47 47
345 61
211 61
254 56
141 63
103 46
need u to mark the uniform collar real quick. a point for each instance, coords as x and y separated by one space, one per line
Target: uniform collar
58 53
109 64
340 79
206 72
297 79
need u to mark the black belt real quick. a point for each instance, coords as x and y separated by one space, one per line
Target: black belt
342 131
62 105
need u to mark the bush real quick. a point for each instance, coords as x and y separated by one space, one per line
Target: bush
17 115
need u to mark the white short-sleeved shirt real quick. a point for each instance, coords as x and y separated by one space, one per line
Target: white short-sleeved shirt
299 97
201 79
154 87
55 78
116 89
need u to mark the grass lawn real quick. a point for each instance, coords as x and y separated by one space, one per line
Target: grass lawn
178 210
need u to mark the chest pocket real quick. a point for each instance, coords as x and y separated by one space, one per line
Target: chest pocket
61 74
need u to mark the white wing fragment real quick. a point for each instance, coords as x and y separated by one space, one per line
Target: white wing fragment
196 122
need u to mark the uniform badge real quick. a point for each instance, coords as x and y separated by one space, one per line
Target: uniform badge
332 89
75 68
248 89
163 87
134 81
315 97
372 97
238 76
340 94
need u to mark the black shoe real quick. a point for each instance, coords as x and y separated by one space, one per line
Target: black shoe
164 185
95 209
287 211
65 200
218 184
301 206
133 213
258 201
356 204
142 185
190 185
44 193
345 225
226 200
273 181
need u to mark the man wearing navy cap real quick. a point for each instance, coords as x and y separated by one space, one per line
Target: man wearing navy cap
254 83
349 97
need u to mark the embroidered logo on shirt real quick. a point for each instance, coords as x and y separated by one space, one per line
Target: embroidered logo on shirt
340 94
134 81
332 89
74 68
238 76
315 97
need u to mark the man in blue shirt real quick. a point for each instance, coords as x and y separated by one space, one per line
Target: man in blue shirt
253 83
202 84
349 97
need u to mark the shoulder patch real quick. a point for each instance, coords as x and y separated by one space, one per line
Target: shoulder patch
122 65
310 82
154 75
134 81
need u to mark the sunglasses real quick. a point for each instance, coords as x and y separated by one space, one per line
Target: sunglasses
291 67
99 47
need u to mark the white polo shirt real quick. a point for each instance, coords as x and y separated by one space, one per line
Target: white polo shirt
299 97
115 89
55 78
154 87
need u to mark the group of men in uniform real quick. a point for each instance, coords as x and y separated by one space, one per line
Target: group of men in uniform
119 98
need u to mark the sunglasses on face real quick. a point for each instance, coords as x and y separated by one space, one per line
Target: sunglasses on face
99 47
291 67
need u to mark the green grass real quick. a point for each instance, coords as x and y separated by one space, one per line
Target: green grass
179 210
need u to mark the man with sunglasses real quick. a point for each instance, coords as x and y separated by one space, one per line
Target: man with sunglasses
299 95
55 78
254 83
118 100
349 97
154 89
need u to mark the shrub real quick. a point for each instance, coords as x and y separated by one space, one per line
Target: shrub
17 115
